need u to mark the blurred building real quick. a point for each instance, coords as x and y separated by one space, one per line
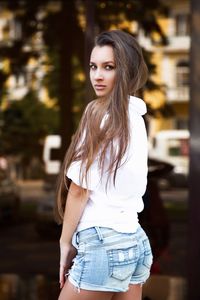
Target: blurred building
172 61
19 83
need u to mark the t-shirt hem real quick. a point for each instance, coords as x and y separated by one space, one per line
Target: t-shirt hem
120 228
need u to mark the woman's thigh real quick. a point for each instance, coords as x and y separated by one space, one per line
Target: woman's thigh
69 292
134 293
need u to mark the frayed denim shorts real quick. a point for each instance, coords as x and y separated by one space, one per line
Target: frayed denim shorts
108 260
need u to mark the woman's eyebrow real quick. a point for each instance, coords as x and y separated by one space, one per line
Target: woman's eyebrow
104 62
108 62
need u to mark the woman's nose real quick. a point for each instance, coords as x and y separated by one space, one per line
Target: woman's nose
98 74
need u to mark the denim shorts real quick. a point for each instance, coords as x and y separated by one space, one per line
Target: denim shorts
108 260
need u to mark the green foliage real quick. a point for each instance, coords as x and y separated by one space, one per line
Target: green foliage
144 12
25 124
13 49
51 78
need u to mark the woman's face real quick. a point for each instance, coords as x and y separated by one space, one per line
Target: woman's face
102 70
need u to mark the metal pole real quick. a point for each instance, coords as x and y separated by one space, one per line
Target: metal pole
194 177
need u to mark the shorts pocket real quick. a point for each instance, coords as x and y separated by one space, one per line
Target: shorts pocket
148 257
122 262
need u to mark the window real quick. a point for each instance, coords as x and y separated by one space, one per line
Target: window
181 123
182 24
178 147
182 74
55 154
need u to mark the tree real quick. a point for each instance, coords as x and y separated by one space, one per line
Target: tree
62 42
63 38
64 27
26 123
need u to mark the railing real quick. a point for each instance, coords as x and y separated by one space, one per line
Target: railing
175 43
178 94
178 43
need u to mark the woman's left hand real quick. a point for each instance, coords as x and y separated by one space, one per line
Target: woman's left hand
67 253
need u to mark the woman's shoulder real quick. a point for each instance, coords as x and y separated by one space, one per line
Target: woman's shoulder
137 105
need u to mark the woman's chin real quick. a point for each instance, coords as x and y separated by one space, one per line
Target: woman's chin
100 93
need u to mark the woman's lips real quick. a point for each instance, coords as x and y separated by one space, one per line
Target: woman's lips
99 86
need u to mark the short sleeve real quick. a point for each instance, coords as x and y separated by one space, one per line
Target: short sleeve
93 176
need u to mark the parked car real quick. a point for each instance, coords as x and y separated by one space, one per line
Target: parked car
154 218
9 198
172 146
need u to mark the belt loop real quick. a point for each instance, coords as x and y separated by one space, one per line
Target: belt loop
77 238
98 230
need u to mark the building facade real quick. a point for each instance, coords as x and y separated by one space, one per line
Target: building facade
172 62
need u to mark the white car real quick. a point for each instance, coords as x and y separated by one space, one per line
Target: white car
172 146
51 160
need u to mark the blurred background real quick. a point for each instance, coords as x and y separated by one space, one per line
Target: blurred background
44 87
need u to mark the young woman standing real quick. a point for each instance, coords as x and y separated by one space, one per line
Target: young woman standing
106 165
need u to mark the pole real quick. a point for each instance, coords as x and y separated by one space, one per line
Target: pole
194 177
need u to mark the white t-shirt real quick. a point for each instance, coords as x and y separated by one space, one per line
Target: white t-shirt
117 206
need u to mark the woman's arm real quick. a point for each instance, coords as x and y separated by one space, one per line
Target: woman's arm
76 201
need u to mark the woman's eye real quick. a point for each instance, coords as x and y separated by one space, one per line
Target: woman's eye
109 67
92 67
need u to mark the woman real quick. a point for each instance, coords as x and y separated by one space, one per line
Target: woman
106 164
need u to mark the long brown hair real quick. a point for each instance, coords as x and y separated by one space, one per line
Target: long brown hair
131 74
